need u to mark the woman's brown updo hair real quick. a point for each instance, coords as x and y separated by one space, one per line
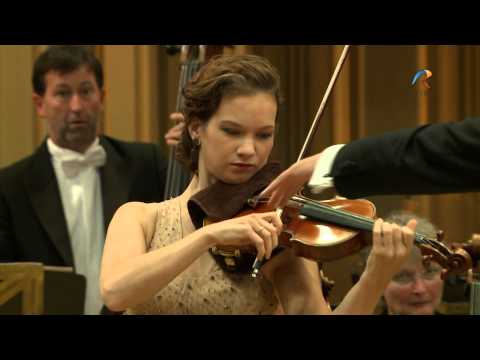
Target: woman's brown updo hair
223 76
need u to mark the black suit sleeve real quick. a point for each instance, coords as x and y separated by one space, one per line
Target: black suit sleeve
432 159
7 251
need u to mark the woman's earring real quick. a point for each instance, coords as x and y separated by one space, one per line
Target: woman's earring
194 153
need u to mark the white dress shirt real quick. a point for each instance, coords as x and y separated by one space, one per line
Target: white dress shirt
319 181
82 204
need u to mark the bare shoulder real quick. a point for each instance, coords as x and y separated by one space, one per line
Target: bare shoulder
146 214
139 213
137 219
137 210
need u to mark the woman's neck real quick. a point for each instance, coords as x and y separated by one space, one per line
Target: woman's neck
201 180
192 188
197 184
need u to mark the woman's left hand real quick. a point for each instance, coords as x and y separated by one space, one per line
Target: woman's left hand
392 245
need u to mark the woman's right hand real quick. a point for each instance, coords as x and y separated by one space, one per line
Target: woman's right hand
289 182
259 230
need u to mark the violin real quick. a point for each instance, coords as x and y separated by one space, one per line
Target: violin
323 231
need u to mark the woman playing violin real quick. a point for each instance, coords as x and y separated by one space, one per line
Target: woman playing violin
156 262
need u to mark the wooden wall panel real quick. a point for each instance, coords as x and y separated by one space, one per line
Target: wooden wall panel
17 114
121 89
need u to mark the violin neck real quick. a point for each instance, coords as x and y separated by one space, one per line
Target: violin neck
324 213
328 214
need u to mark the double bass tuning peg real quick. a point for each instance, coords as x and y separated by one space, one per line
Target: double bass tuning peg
172 49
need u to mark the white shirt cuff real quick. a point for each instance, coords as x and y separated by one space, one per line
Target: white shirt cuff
319 182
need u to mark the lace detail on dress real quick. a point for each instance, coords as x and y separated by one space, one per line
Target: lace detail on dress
204 288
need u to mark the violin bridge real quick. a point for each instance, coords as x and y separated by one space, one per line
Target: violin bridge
252 202
229 261
279 212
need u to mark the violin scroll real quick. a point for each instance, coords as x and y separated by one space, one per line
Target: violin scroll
457 259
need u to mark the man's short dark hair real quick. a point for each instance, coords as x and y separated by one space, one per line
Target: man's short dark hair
64 59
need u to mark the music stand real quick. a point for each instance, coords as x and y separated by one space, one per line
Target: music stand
31 288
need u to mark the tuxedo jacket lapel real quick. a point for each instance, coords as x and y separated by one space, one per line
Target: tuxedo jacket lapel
42 188
43 191
116 181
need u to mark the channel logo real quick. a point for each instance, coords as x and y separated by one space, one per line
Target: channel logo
424 75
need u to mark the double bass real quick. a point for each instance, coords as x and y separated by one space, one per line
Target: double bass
191 59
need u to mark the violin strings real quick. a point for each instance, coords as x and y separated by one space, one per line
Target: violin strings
419 238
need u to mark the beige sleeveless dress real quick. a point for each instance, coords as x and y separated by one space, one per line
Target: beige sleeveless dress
205 289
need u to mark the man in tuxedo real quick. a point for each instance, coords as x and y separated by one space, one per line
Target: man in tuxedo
431 159
56 204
